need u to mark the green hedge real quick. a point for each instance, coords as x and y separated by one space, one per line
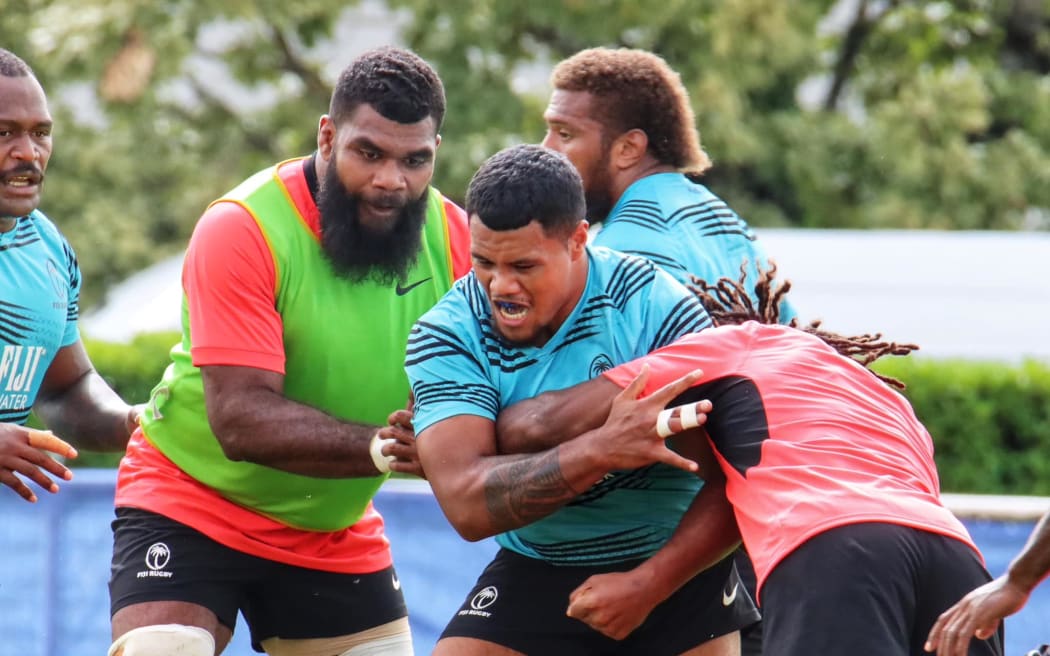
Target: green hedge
990 422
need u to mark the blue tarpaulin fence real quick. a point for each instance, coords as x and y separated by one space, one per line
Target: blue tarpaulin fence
54 566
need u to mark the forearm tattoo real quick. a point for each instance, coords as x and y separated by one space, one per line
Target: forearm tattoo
521 491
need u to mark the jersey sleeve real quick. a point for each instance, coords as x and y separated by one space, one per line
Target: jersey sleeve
229 281
675 311
71 334
652 242
447 375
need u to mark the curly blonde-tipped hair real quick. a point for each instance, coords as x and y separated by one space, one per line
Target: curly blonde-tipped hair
636 89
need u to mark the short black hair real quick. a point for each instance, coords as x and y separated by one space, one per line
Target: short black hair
11 65
526 183
396 82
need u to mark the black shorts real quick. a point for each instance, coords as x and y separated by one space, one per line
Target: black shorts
869 590
750 637
520 603
158 559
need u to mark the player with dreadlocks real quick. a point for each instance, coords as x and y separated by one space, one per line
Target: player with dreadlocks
728 303
830 475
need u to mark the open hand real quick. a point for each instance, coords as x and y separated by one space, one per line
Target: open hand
22 451
977 615
633 435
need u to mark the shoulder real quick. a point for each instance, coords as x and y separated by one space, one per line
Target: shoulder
664 188
649 202
449 334
625 279
611 268
228 237
49 233
45 226
456 231
226 217
606 259
462 306
453 213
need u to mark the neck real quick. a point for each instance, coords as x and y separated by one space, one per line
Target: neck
643 169
7 223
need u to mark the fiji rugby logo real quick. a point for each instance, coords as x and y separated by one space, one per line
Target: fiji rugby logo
484 599
600 365
58 281
157 556
60 284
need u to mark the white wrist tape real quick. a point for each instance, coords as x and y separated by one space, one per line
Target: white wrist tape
663 423
375 448
688 416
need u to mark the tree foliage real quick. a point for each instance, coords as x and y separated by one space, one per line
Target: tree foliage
853 114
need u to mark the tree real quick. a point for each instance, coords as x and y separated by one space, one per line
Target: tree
162 106
817 113
919 114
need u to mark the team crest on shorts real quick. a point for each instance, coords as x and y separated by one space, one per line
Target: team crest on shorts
158 555
482 600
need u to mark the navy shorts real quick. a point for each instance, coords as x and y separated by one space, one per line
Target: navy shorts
869 589
158 559
520 603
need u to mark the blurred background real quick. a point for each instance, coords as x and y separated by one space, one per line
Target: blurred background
817 113
894 157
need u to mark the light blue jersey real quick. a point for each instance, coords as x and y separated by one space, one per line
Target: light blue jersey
685 229
458 364
39 296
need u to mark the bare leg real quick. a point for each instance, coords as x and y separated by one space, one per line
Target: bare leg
727 645
471 647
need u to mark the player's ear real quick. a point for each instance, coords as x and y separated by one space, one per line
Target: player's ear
629 148
325 137
578 239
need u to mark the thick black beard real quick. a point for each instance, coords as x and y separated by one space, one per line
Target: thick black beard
598 197
359 254
599 204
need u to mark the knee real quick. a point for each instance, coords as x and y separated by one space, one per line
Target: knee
164 639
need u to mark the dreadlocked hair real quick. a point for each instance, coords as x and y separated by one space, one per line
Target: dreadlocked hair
728 303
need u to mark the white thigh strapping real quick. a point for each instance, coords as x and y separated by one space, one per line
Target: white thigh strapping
164 639
400 645
390 639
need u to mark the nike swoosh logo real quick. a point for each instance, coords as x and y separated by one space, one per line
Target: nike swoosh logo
397 583
728 599
401 291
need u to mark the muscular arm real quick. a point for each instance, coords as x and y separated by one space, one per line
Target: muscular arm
483 493
551 418
255 422
77 404
616 604
978 613
706 534
1032 565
